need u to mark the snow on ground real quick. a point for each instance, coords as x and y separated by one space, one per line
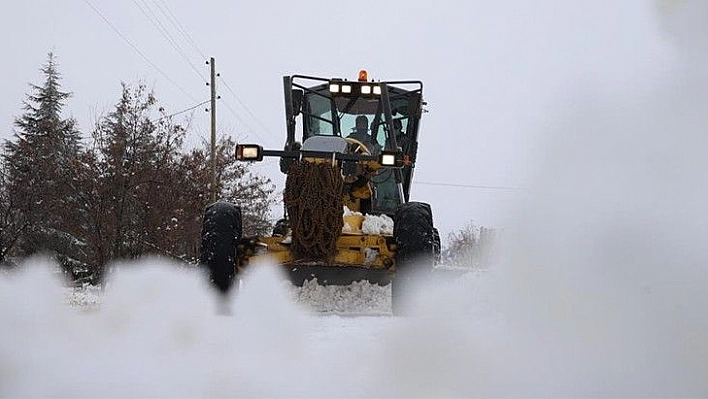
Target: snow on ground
160 331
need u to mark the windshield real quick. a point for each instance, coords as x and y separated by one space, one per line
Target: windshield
361 118
358 117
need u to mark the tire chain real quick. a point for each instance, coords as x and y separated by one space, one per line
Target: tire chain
313 198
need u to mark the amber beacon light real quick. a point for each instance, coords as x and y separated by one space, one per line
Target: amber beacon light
363 75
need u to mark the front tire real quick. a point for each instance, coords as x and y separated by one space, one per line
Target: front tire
221 232
415 239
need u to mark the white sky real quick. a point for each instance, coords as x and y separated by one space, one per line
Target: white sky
495 73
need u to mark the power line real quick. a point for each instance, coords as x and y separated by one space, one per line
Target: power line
473 186
250 129
175 22
228 87
155 21
140 53
180 28
181 112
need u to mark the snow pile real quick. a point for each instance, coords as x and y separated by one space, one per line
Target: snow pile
349 212
371 224
350 216
360 297
377 225
162 332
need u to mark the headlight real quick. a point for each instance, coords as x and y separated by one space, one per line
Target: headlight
346 89
388 159
365 89
377 90
249 152
334 88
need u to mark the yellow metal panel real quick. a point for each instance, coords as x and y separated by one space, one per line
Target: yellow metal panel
353 250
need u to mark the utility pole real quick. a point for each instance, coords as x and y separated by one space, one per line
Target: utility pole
213 129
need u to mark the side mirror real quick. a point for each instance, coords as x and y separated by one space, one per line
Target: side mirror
297 101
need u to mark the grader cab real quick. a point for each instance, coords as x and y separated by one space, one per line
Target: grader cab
349 156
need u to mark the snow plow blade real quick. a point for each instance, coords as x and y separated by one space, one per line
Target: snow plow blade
336 275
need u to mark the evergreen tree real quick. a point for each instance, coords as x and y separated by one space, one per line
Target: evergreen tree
38 161
12 223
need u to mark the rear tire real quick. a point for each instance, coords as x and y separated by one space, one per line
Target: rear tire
221 232
415 239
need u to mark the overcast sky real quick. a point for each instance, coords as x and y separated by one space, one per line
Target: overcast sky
496 74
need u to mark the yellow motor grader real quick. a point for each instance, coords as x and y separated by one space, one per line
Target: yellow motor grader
349 157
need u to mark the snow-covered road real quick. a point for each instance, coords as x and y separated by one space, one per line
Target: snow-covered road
160 332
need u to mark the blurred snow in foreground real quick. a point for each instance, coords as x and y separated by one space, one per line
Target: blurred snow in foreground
159 332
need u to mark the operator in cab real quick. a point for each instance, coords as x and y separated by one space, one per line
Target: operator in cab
361 133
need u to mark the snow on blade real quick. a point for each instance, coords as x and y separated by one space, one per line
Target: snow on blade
356 222
360 297
377 225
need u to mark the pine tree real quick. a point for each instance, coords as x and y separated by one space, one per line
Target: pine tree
12 223
39 161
